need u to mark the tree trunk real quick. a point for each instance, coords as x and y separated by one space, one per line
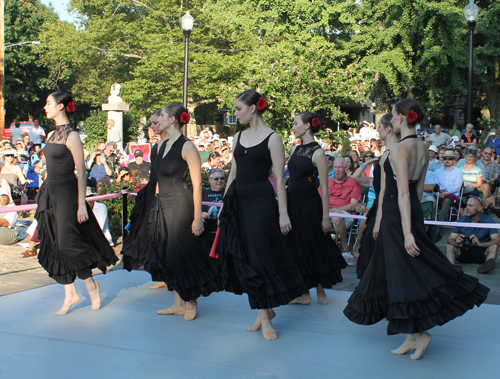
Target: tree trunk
493 95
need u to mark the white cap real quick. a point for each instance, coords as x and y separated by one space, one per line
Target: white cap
3 192
330 154
433 148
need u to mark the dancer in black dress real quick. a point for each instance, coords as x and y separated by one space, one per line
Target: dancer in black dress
365 235
134 245
317 255
177 251
253 250
412 284
71 240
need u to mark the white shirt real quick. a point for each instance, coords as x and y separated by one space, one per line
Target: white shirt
101 214
114 135
11 217
36 135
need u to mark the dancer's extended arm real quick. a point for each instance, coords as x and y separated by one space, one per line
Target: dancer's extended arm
192 157
277 150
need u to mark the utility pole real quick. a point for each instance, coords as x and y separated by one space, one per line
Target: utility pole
2 77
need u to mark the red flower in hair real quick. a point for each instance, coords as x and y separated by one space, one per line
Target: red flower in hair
411 116
184 118
261 104
316 122
71 107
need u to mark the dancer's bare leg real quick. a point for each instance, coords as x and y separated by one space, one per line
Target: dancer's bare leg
256 326
158 285
70 298
322 299
305 299
191 308
93 289
423 340
409 344
179 307
267 327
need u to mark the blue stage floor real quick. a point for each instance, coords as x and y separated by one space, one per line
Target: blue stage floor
127 339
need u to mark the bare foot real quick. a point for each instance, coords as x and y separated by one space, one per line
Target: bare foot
68 303
256 326
303 300
190 312
158 285
423 340
95 297
322 299
408 345
173 310
268 330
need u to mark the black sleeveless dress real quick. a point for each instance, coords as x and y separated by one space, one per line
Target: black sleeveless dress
317 255
134 244
254 253
67 248
173 254
413 293
367 244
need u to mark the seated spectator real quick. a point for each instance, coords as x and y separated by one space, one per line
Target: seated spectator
473 177
98 168
27 142
355 158
439 159
474 245
16 133
457 155
450 181
142 167
350 165
367 160
433 154
330 157
471 128
479 153
214 194
100 211
437 138
124 175
21 150
454 132
468 139
213 161
11 174
8 233
345 194
36 134
101 145
492 170
474 150
493 140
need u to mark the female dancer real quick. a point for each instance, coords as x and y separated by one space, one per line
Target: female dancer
365 235
414 286
254 253
316 254
177 251
71 241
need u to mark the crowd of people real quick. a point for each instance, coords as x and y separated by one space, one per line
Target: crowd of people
271 236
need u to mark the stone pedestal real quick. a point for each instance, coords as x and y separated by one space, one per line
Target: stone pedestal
115 112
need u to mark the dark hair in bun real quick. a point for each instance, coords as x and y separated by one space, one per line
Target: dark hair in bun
251 97
64 98
175 109
406 105
307 117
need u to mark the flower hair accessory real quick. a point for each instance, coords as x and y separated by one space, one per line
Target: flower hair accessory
184 118
315 122
261 104
411 116
71 107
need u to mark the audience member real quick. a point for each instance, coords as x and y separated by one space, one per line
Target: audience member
450 181
214 194
141 136
124 175
113 132
437 138
213 161
491 170
345 194
16 133
8 233
98 168
474 245
36 134
493 141
468 138
457 155
438 162
100 211
350 165
433 153
11 174
454 132
355 158
473 177
142 167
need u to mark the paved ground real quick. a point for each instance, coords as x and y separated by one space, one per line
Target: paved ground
19 274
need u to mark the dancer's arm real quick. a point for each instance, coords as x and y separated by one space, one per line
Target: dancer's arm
192 157
277 150
400 167
319 160
74 144
378 217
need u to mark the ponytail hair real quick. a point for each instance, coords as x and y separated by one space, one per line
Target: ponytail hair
313 120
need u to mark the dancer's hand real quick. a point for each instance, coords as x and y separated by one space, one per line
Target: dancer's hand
197 226
82 215
204 215
376 229
326 224
285 224
411 246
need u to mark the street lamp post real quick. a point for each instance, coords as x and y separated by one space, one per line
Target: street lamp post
187 22
471 11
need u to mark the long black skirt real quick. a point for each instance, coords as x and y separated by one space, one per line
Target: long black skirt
254 253
68 248
316 254
413 293
367 244
174 255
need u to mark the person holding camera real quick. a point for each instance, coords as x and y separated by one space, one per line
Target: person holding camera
98 168
474 245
